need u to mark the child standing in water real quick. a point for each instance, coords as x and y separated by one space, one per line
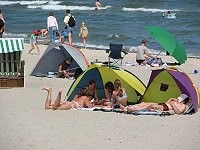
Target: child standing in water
33 41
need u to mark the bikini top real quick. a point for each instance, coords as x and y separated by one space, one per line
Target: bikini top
120 98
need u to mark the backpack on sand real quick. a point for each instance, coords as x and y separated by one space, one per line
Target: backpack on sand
72 21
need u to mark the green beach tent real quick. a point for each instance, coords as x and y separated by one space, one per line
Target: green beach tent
170 83
102 74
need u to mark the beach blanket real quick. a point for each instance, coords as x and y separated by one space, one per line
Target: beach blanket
97 109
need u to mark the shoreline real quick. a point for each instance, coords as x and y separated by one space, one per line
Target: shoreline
126 48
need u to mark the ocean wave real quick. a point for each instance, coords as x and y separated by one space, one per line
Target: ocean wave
148 9
36 2
3 3
32 2
22 35
63 7
113 36
91 46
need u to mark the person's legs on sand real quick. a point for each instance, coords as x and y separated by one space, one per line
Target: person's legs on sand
49 98
38 49
140 106
70 38
84 42
58 99
32 48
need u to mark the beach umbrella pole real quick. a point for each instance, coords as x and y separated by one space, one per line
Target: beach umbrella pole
159 53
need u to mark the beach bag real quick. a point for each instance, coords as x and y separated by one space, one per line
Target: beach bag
154 61
77 73
71 21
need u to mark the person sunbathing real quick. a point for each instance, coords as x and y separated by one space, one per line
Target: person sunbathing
178 105
119 94
79 101
120 97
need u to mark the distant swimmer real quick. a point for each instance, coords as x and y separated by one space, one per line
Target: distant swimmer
98 4
169 14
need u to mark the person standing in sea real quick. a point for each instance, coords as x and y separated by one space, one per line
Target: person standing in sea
97 4
52 26
69 21
83 33
2 24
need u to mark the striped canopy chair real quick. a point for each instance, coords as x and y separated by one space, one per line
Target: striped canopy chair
11 65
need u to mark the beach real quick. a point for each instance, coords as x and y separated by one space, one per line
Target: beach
25 124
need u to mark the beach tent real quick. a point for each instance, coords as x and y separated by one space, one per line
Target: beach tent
11 65
170 83
54 55
102 74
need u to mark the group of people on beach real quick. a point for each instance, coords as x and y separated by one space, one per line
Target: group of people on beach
88 97
115 97
53 31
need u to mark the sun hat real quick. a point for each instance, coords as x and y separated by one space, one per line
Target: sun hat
182 97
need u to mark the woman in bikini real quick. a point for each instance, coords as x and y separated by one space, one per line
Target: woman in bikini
178 105
79 101
119 94
92 91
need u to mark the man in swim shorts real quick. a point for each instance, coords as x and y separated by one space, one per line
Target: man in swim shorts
141 52
97 4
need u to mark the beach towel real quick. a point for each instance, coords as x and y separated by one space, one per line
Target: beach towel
154 112
97 109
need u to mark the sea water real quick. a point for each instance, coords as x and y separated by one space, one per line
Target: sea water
121 21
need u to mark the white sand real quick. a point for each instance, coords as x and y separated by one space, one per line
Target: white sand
25 124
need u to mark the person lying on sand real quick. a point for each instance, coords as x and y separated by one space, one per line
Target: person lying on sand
178 105
79 101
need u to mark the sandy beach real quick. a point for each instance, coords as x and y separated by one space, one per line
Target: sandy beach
25 124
